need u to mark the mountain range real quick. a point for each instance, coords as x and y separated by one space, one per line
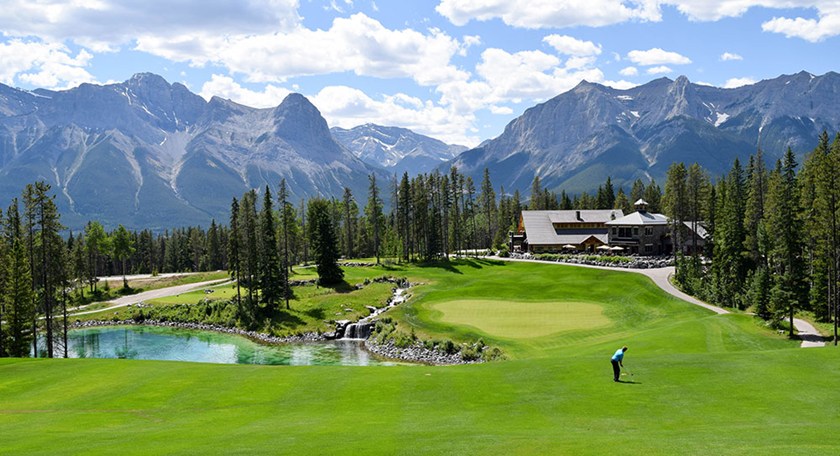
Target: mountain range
398 150
149 154
577 139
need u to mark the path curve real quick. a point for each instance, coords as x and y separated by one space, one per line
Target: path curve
153 294
660 276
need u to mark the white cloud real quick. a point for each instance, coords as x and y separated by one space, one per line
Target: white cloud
348 107
501 110
813 30
225 87
598 13
526 76
620 85
357 44
629 71
728 56
550 13
659 70
468 42
657 56
572 46
47 65
738 82
108 24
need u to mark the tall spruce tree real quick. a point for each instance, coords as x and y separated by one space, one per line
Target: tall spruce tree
786 261
373 212
270 278
16 294
324 242
286 214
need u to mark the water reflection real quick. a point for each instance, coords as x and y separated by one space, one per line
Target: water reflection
144 342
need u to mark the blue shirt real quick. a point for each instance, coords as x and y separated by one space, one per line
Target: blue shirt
619 355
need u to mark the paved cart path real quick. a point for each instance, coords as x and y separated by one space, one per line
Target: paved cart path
153 294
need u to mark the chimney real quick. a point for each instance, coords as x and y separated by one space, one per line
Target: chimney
577 215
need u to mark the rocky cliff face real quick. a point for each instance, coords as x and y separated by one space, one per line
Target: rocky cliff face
146 153
577 139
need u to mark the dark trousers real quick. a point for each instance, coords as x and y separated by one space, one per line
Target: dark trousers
616 369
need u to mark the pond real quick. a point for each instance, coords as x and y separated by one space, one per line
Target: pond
171 344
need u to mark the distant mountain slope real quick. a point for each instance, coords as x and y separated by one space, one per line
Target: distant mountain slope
398 150
146 153
577 139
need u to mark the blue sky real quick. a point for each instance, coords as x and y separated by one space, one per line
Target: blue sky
457 70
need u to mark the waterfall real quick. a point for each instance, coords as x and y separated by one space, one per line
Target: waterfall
359 330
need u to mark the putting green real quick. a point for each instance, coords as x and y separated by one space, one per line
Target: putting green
522 320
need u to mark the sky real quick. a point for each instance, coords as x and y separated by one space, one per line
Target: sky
456 70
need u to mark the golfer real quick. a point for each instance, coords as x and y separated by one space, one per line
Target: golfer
618 360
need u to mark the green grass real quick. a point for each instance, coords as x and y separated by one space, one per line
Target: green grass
703 384
522 320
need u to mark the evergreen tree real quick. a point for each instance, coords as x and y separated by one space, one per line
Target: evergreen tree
286 215
488 206
234 249
754 208
373 212
675 202
123 249
249 249
351 211
270 270
16 295
784 218
653 196
697 190
621 202
536 203
324 242
97 245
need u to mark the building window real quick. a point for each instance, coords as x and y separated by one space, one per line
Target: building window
648 248
613 231
648 231
624 232
636 231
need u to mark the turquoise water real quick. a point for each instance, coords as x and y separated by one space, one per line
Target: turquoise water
171 344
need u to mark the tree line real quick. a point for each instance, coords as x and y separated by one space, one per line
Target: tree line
772 244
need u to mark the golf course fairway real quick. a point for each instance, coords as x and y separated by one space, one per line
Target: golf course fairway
702 384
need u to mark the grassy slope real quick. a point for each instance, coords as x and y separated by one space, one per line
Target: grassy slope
705 384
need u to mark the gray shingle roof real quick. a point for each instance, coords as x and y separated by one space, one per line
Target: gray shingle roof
540 230
640 218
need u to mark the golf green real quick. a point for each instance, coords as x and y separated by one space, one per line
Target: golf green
522 320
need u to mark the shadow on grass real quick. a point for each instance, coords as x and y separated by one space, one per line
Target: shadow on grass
441 264
316 313
629 382
341 287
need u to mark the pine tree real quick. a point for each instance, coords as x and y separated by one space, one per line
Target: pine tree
488 206
270 270
123 249
286 214
249 249
784 218
323 240
16 294
234 250
373 212
351 211
675 202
